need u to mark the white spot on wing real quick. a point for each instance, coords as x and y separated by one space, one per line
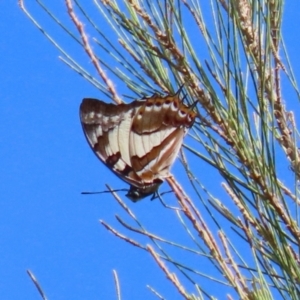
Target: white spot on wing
120 165
98 131
156 108
108 150
113 140
156 139
142 144
166 132
148 108
123 137
166 105
182 114
92 137
137 145
172 148
173 107
115 119
166 157
105 120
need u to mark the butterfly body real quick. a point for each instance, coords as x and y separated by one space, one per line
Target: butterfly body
138 141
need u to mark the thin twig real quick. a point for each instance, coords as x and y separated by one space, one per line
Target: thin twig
90 52
37 285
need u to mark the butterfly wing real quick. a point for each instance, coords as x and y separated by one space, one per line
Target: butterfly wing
138 141
157 133
107 130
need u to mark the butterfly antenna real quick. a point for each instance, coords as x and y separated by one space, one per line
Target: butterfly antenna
103 192
194 105
159 196
180 89
184 97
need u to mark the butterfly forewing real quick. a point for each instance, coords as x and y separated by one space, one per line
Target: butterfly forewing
139 141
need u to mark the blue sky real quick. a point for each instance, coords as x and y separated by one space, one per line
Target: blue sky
45 224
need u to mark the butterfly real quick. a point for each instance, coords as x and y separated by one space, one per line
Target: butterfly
138 141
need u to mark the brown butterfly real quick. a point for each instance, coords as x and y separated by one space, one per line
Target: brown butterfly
138 141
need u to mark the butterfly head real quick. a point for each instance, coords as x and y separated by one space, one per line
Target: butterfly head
136 193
